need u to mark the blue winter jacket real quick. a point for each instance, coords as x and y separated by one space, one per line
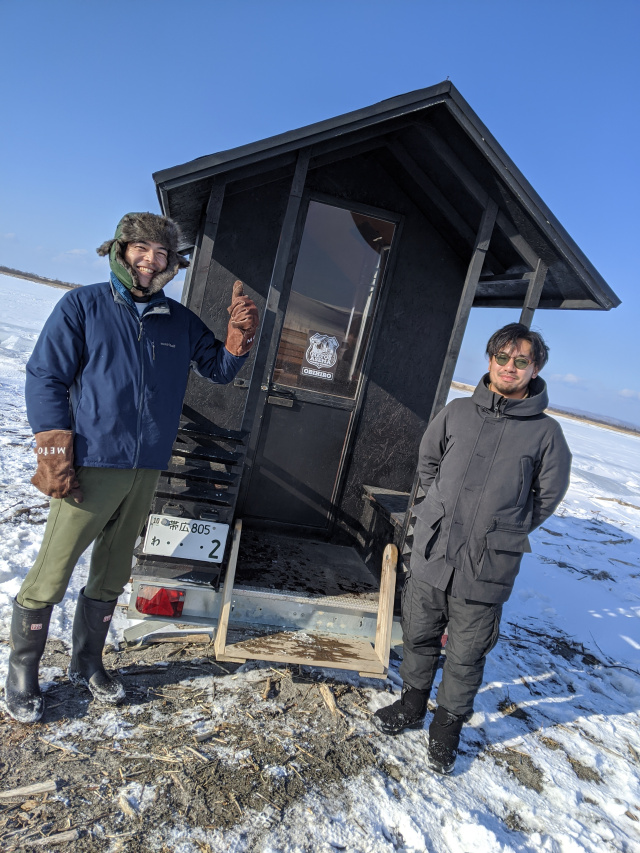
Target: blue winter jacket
118 379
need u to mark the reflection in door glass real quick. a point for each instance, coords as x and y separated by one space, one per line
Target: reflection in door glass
333 295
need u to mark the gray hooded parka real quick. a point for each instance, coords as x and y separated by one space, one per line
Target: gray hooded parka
493 470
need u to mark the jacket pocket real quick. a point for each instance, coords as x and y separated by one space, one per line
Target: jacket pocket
504 548
526 478
429 515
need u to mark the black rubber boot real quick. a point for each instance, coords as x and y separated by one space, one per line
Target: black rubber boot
90 628
22 696
407 712
444 738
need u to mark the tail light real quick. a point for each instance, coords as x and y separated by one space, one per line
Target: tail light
160 601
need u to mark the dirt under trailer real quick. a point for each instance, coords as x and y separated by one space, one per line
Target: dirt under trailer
364 240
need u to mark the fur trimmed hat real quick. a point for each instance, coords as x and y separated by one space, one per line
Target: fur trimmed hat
151 228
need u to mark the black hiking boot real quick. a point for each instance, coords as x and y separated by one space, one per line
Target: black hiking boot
22 696
444 737
90 628
407 712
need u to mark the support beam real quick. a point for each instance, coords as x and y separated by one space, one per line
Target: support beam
220 642
475 188
420 177
464 306
385 604
204 252
534 291
506 279
435 195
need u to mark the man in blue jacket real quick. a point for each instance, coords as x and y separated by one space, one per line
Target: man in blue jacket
104 392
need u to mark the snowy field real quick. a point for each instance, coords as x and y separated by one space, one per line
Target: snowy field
550 760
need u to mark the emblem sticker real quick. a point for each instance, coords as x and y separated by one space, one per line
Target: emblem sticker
322 355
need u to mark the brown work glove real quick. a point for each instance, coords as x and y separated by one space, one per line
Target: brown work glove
55 475
243 322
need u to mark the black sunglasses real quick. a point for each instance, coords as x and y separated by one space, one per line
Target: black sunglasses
520 361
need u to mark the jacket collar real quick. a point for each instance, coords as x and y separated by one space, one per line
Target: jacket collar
158 304
534 404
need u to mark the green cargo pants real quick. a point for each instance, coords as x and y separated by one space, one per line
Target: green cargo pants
115 507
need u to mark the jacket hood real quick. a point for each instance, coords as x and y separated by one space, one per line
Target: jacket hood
148 227
534 404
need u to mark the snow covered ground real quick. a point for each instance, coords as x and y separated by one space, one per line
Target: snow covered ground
550 760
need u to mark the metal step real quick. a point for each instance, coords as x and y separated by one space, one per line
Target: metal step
201 482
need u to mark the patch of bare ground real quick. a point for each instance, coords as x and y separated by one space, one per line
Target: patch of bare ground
584 772
190 748
514 822
521 766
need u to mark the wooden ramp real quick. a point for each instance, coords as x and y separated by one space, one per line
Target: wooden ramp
338 652
313 648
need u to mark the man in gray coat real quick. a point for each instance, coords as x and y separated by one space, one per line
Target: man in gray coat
493 467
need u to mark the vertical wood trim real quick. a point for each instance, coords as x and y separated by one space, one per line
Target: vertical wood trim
273 317
273 309
385 604
534 292
186 287
227 593
204 251
474 269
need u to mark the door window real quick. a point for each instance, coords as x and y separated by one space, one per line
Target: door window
335 286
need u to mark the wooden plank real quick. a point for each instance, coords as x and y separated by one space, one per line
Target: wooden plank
534 292
337 651
475 188
204 251
48 787
385 604
227 593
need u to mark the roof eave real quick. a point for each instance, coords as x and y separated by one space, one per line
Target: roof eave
532 203
445 93
209 165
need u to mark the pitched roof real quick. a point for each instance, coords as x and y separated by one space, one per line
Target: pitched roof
436 148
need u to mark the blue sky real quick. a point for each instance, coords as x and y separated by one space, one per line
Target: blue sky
97 96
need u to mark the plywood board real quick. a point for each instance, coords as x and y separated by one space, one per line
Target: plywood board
335 651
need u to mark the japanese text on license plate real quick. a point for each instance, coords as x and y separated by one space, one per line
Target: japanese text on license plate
187 538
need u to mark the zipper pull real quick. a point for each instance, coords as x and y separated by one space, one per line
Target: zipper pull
153 350
140 332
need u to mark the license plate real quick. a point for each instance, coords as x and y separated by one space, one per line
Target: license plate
187 538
